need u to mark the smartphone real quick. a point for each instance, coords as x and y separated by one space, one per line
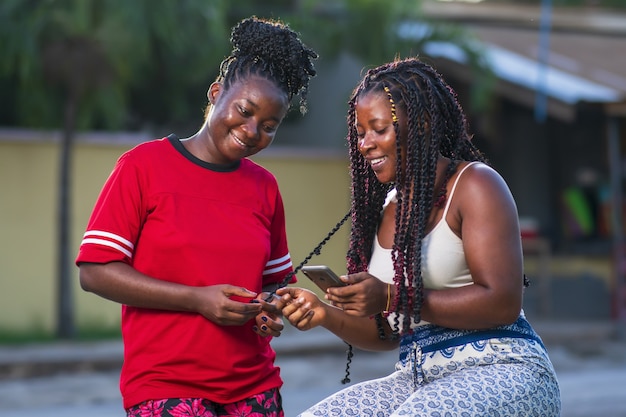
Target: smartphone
322 276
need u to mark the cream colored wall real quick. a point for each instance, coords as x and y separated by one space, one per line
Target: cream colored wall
27 217
314 185
315 188
316 193
92 165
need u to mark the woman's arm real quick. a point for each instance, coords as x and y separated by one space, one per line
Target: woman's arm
485 216
305 310
122 283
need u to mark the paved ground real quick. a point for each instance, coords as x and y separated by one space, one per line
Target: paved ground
71 380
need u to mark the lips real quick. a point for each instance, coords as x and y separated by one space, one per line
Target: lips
376 163
240 143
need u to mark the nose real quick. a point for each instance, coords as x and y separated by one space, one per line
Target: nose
365 143
251 129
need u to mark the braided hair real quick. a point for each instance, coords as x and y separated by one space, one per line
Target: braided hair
436 125
272 50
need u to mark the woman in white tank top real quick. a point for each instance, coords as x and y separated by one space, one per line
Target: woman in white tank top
434 264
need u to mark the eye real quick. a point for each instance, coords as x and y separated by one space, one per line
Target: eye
270 128
360 134
244 111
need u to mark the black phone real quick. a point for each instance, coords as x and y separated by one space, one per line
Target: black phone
322 276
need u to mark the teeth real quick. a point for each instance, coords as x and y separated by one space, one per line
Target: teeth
376 161
239 142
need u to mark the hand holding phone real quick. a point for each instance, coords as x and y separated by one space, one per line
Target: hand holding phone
322 276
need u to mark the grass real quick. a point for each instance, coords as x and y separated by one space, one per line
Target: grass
40 335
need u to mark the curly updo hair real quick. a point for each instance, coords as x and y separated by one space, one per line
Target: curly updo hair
270 49
435 125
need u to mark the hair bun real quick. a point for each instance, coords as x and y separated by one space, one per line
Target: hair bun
271 49
256 37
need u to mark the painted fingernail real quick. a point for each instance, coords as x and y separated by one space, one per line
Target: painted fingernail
264 318
254 301
264 327
256 329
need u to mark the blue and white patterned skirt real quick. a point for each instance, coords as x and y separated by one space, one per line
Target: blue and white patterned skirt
442 372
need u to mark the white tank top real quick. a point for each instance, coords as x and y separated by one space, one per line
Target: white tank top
443 258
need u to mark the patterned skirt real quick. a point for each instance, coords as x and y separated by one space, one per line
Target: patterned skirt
442 372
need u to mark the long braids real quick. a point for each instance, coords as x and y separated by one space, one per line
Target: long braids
366 192
436 125
269 49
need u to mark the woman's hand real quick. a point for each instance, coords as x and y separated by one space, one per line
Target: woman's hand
268 321
305 310
364 296
216 303
302 308
225 305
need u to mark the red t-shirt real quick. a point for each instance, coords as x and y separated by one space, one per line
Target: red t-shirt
177 218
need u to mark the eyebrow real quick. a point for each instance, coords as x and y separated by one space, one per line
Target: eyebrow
256 107
374 120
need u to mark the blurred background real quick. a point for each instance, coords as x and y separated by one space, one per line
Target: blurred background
543 82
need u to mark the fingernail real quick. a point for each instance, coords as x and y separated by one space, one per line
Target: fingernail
256 329
264 318
254 301
264 327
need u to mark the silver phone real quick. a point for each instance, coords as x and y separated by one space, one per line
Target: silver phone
322 276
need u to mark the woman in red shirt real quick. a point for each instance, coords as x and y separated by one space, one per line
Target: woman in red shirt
189 236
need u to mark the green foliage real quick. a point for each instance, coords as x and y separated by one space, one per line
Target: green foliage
9 337
146 64
186 49
420 37
364 28
102 52
36 332
372 31
39 335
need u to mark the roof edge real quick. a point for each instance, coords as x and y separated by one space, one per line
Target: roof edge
585 19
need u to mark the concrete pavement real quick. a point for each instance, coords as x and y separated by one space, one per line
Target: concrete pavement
76 379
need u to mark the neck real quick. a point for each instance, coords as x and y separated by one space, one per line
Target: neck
196 144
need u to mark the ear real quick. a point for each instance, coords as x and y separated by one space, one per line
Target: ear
214 91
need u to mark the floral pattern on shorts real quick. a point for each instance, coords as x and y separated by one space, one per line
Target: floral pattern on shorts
266 404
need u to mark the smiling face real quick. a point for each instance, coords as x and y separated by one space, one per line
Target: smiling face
376 134
244 118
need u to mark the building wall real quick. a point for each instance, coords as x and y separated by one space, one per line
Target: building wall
27 218
315 188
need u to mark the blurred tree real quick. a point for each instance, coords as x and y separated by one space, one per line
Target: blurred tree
84 54
110 64
163 54
374 31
